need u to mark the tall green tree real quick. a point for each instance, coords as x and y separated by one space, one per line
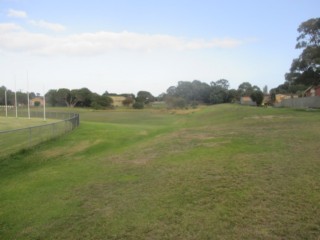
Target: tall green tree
81 97
219 91
306 68
100 102
51 97
145 97
257 96
64 97
2 95
246 89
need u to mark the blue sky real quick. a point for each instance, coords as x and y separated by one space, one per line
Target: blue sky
125 46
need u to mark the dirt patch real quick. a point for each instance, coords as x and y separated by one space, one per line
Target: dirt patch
267 117
173 143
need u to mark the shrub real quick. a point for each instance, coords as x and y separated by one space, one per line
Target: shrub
138 105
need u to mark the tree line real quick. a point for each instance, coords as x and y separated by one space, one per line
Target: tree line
22 97
197 92
183 95
82 97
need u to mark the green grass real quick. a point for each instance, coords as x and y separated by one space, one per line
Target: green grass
221 172
18 134
9 123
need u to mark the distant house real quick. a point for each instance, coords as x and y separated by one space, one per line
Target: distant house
312 91
117 101
246 100
281 97
266 100
36 102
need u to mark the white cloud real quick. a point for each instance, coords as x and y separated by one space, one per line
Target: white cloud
47 25
16 13
15 38
8 27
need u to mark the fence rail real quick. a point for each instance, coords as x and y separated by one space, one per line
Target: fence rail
14 140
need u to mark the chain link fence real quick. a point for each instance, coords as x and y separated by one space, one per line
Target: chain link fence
12 141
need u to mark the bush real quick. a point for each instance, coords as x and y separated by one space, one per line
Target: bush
176 102
127 101
138 105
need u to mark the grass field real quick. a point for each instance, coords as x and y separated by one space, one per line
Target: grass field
221 172
17 134
10 123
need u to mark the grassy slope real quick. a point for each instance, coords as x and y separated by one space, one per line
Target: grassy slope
225 172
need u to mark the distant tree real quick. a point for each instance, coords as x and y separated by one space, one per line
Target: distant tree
257 96
22 98
161 96
10 97
287 88
171 91
52 97
81 97
219 91
64 97
223 83
128 101
100 102
138 105
32 95
246 89
145 97
191 92
175 102
232 95
2 95
306 69
184 90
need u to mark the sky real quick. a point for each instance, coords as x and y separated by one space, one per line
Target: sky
125 46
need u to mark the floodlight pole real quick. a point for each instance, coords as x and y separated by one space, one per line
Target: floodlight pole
28 95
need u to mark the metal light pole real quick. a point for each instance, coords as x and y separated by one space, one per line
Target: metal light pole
28 95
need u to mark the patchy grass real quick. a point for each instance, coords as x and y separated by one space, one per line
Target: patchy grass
222 172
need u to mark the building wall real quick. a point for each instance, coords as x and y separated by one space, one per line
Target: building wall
37 99
306 102
117 101
281 97
247 101
314 91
